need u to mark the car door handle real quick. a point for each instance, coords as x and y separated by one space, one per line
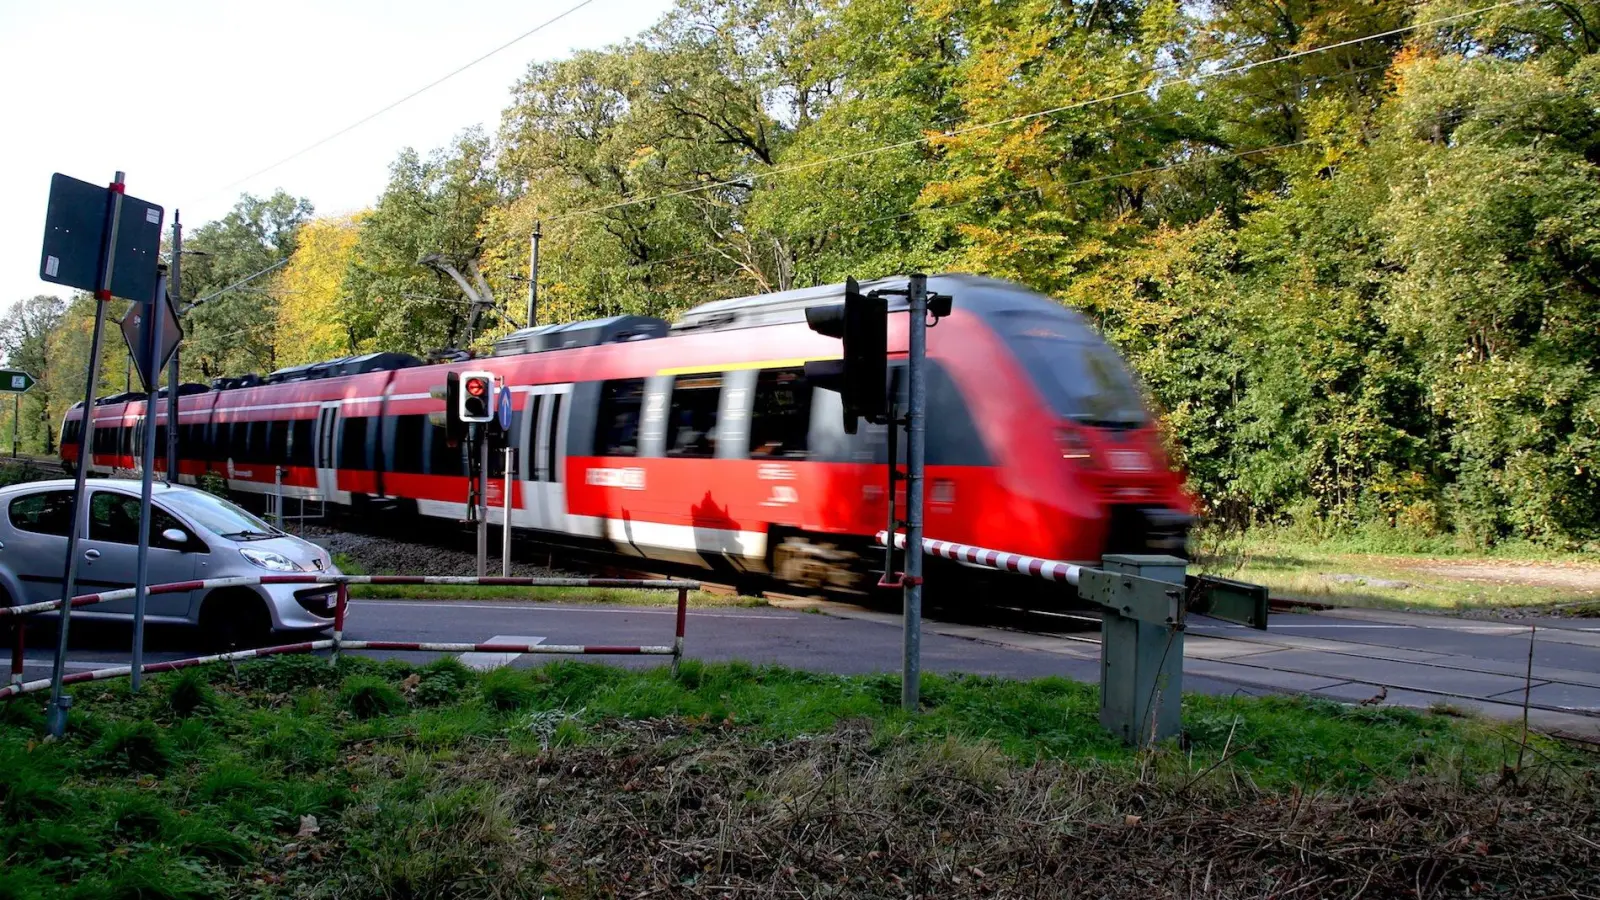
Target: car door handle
91 555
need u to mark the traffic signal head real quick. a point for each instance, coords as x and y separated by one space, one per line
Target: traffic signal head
862 322
476 397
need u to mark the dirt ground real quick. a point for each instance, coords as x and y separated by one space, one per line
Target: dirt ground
1576 576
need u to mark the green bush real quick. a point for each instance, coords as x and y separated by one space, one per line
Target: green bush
135 746
367 697
507 689
190 693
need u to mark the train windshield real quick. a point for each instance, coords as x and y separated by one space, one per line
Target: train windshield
1079 375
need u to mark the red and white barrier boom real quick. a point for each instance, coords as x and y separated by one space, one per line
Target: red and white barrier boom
1145 600
337 644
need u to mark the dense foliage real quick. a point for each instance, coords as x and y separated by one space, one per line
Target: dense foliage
1349 245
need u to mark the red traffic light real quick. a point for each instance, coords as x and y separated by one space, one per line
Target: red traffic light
477 387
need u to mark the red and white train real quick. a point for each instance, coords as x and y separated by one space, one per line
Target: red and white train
702 442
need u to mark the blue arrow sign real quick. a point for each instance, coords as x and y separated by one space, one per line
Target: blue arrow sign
503 408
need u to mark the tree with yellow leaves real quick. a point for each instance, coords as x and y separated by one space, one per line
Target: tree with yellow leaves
311 326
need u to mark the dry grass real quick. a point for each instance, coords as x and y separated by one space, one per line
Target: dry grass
661 808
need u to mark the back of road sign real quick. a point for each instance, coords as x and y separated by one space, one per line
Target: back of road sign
135 326
75 233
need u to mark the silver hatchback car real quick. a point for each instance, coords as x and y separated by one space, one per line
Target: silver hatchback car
194 535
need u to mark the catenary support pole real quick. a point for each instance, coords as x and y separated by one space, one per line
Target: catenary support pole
911 663
56 717
173 475
533 278
151 352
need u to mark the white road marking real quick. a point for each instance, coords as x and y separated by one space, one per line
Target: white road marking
486 661
502 607
75 664
1277 626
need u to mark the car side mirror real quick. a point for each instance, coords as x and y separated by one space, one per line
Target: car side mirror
175 536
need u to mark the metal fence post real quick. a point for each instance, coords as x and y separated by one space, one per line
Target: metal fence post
19 643
677 641
342 598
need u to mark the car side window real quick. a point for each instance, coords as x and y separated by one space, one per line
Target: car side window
46 512
114 518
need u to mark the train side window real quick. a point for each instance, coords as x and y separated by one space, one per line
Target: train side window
300 442
781 415
442 458
353 443
529 465
278 455
551 472
406 448
692 417
617 425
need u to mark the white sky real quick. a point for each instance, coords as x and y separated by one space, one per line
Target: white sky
187 96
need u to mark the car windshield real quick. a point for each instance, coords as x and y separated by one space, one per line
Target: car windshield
218 516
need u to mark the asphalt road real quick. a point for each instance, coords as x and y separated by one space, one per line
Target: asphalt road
1406 658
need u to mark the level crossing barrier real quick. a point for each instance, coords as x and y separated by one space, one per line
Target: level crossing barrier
1145 602
337 643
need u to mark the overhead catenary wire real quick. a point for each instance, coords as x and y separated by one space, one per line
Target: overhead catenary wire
403 100
1239 69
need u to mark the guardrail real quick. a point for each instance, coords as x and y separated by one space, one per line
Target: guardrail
337 644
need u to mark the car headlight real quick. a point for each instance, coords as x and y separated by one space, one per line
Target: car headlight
266 559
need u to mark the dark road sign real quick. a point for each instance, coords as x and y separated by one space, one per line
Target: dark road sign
75 236
15 381
133 331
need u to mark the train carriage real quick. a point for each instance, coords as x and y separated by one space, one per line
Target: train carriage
703 442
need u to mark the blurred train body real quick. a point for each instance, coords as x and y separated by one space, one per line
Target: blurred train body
702 442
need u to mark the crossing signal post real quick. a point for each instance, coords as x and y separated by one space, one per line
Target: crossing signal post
476 398
861 378
476 410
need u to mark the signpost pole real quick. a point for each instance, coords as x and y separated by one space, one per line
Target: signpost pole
911 663
483 500
56 722
151 351
172 367
16 421
505 522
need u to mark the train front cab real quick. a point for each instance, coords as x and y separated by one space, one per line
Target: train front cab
1078 458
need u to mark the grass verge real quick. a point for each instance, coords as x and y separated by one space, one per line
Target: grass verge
288 777
628 596
1341 573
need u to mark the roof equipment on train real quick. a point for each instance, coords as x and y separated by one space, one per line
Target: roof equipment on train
345 365
566 335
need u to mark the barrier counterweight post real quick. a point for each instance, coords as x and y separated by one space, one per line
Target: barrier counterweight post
677 640
1141 662
342 599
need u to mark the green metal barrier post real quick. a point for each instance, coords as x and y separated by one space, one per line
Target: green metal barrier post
1141 649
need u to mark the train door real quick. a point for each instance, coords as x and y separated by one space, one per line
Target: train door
544 462
325 457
